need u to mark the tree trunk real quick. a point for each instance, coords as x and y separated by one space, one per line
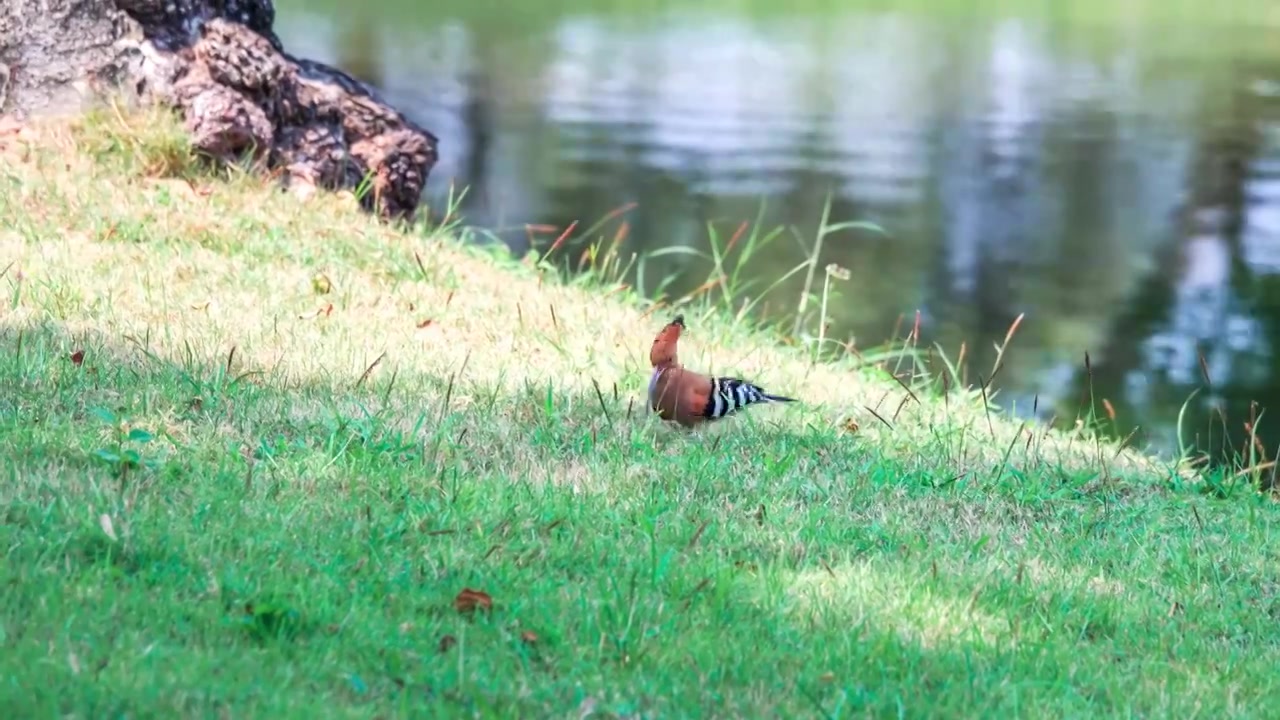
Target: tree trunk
221 66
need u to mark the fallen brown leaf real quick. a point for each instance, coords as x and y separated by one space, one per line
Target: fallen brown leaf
77 357
10 125
200 190
425 323
528 636
469 600
325 311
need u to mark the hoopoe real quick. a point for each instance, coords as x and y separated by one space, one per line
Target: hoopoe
690 398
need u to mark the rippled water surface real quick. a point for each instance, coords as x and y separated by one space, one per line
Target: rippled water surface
1110 170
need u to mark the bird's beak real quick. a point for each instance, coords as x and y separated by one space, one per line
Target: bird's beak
678 320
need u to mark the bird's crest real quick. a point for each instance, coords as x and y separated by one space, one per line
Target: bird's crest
663 352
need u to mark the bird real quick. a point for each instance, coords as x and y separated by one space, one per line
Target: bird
691 398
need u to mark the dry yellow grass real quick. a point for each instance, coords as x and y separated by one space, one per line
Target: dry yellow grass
313 291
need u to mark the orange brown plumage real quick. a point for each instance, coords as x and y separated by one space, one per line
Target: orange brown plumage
690 398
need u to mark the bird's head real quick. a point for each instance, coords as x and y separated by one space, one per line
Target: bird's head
663 352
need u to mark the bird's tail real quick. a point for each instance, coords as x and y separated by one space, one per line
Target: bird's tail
729 395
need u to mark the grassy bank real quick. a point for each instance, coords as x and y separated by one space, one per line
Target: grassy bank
257 447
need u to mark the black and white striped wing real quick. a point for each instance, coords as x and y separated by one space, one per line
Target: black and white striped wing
729 395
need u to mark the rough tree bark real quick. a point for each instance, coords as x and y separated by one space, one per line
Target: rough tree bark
220 64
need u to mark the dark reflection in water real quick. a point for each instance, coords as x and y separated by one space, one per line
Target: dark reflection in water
1119 184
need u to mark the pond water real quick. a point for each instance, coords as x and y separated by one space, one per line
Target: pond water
1111 170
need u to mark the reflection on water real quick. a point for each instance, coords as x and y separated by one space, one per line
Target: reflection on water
1117 182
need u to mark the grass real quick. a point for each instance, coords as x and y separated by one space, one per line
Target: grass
1091 14
265 457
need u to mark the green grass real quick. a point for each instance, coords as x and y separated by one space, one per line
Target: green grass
1083 13
244 476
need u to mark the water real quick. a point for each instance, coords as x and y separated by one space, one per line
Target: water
1111 170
